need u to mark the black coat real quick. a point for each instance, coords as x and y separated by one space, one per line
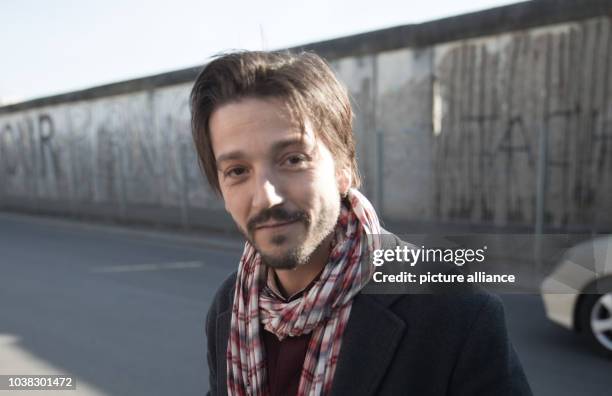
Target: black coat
406 344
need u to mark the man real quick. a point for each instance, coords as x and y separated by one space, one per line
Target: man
274 137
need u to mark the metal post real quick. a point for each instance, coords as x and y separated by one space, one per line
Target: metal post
379 173
541 192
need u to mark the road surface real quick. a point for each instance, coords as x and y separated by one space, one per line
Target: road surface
123 312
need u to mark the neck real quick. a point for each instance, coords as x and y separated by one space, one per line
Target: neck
296 279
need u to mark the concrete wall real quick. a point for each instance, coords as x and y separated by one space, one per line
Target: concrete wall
126 157
448 117
495 95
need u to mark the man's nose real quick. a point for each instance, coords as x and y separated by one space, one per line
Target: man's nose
267 193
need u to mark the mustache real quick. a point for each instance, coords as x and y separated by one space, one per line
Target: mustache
279 214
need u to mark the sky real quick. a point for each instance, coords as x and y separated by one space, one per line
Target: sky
56 46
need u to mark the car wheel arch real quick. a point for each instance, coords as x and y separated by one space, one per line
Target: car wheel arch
591 288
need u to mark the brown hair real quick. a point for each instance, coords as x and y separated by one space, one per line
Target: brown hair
304 81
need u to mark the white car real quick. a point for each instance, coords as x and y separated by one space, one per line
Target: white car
578 293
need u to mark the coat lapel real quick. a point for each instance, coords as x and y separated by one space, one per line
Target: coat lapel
368 346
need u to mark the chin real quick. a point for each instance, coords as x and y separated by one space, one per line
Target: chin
286 260
282 252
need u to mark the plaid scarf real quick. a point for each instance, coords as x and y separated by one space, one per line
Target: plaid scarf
323 310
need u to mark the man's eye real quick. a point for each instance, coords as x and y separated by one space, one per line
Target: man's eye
235 172
295 159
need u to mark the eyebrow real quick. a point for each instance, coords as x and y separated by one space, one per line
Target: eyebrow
276 147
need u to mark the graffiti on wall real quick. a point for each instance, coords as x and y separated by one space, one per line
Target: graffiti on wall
497 97
132 150
30 156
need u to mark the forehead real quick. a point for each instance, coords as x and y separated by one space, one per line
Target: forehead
254 123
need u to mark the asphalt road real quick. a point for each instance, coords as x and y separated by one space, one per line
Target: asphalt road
123 312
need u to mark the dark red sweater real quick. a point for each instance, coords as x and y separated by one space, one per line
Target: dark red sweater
284 359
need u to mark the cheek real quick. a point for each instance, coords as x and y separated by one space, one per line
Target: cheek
235 206
327 182
321 191
300 189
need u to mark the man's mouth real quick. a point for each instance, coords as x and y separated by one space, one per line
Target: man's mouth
276 224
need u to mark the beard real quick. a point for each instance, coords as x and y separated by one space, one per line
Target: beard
289 260
303 249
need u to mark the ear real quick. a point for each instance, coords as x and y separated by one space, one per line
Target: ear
344 179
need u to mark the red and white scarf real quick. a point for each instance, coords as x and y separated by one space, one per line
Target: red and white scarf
323 310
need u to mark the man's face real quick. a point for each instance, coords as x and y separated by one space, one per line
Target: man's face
280 185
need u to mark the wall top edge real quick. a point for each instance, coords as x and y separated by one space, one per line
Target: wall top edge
519 16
